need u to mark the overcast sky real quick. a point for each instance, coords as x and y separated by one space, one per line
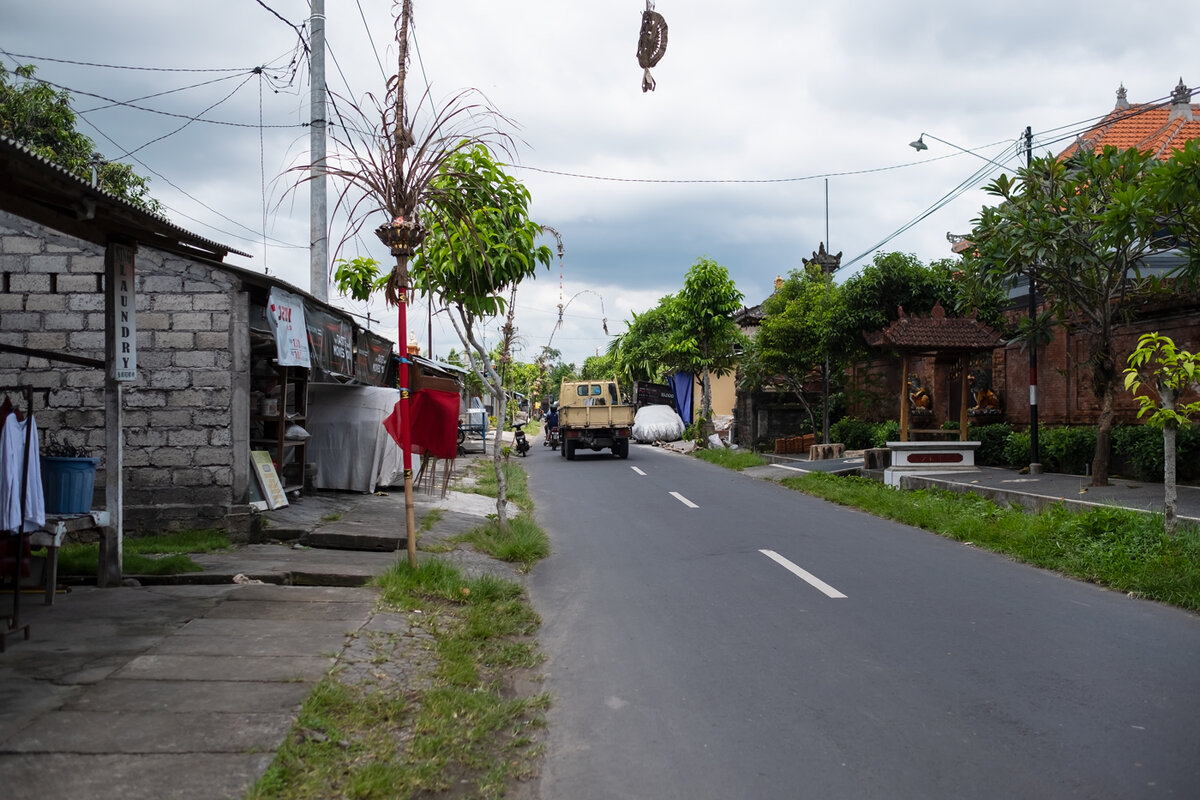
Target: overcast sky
772 122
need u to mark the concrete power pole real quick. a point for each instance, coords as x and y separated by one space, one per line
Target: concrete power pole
318 281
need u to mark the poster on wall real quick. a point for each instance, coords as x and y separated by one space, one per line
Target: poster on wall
372 358
285 313
330 342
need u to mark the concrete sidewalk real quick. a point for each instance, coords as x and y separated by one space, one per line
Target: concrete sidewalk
187 689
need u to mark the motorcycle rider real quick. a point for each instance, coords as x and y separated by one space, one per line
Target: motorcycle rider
551 424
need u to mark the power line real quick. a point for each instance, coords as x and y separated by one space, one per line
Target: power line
299 30
128 153
164 113
370 39
121 66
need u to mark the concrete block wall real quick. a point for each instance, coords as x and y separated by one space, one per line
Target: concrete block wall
179 444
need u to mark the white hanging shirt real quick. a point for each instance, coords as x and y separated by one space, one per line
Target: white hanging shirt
12 454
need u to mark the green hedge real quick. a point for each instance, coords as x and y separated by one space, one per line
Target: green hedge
1137 450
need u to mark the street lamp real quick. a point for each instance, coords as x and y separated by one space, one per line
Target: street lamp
920 145
1035 468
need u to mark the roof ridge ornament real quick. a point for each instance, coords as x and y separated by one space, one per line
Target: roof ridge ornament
1122 96
1181 103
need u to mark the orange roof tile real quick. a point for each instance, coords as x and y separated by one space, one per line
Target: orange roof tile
1155 128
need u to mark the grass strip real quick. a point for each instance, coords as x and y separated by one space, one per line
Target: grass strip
468 733
731 459
164 554
1114 547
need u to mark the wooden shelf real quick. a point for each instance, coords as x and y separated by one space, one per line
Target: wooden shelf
292 386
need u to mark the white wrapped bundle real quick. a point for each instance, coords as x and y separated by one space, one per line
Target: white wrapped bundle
657 424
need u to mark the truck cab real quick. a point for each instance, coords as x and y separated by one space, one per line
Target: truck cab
591 414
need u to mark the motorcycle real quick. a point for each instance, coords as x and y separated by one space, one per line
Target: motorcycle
522 444
552 441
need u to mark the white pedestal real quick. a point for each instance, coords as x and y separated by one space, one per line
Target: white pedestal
929 458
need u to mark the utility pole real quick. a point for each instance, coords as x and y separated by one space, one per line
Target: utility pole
1035 468
318 276
825 374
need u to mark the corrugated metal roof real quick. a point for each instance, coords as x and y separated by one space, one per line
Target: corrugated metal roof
33 181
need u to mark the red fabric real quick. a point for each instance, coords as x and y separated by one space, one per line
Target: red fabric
391 424
435 422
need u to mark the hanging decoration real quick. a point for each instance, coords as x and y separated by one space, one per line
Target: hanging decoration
652 43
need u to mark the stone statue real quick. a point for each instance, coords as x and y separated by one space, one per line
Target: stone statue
918 398
986 401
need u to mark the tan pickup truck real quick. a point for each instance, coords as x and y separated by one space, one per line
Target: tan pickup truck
591 415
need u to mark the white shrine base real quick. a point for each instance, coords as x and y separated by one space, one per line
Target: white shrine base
929 458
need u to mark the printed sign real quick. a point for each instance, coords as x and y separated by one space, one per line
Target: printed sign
285 313
123 365
268 478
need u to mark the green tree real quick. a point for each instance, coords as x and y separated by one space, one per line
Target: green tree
596 368
794 339
643 351
871 300
358 278
1174 190
480 245
1157 366
37 116
472 385
706 340
1083 228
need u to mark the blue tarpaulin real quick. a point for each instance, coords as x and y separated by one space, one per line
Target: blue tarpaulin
682 384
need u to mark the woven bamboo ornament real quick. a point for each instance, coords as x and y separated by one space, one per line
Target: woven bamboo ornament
652 43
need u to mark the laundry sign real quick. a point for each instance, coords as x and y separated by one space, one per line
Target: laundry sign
122 313
285 313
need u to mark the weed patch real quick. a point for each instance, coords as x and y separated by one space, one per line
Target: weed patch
468 733
731 459
522 542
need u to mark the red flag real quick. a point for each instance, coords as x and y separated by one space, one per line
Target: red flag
392 424
435 422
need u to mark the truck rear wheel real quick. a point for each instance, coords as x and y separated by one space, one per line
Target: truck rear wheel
621 448
569 449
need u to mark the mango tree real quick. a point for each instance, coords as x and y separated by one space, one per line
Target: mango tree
706 340
479 245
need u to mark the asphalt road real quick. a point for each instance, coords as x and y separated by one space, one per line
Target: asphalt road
712 635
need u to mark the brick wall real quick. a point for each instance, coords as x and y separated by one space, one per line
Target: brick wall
1065 395
179 426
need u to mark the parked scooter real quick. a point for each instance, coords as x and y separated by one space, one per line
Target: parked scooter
519 439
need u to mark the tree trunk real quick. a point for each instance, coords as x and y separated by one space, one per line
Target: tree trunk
491 379
1170 492
1104 381
1103 439
706 427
